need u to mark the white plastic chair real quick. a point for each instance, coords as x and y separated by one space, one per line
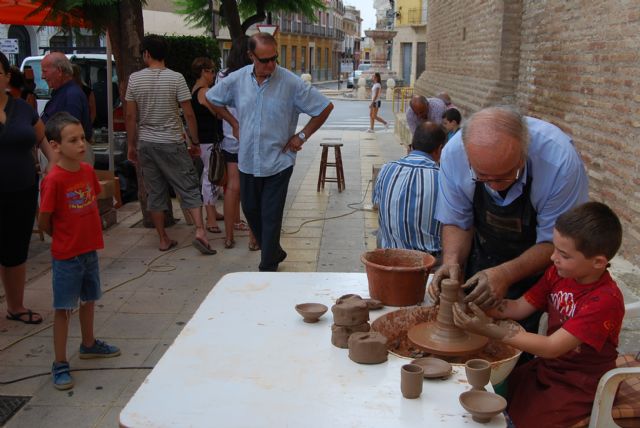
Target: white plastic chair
608 386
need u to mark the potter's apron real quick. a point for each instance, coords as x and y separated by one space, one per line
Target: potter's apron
502 233
563 388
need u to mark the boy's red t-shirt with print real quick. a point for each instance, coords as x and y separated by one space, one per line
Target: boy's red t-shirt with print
72 199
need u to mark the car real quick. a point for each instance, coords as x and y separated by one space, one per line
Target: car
353 79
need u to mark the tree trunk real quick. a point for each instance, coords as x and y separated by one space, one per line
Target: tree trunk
126 35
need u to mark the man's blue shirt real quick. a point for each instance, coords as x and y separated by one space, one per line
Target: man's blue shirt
406 192
559 180
70 98
267 114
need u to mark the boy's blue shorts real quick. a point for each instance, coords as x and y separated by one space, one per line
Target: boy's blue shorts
77 278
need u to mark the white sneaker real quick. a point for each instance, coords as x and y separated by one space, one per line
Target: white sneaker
370 131
386 126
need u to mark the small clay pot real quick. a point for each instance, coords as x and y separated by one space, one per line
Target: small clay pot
478 373
368 348
347 297
482 405
350 312
340 334
311 312
411 376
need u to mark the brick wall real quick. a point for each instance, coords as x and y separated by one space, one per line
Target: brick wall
575 64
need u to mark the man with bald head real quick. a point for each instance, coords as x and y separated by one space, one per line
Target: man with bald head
423 109
66 95
503 182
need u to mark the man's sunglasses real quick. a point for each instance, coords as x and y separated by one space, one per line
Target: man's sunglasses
266 60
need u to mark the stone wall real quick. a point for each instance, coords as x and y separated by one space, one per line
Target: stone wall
575 64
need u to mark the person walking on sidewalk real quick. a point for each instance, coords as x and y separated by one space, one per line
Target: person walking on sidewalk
376 90
69 213
155 137
268 100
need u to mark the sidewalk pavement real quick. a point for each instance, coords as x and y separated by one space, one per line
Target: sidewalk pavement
149 295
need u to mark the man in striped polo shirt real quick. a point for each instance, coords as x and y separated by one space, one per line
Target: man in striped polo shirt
155 138
406 192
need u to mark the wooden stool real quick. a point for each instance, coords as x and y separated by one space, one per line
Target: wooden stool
322 176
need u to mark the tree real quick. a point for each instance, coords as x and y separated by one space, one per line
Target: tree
200 13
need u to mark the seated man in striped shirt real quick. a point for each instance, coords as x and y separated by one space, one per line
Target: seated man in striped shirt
406 192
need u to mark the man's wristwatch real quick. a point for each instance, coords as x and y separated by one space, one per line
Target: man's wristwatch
302 137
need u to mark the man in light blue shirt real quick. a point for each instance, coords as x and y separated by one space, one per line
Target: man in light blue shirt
406 192
504 180
268 100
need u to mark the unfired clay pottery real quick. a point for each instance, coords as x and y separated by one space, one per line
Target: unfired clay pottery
350 312
374 304
434 368
311 312
397 277
368 348
347 297
340 334
411 376
443 337
482 405
478 373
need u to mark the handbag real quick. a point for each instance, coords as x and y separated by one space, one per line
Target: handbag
217 165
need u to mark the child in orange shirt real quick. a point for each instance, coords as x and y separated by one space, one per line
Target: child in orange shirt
585 309
69 213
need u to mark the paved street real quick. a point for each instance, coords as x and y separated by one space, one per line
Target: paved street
149 295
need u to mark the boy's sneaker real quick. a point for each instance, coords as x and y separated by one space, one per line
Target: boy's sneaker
370 131
386 126
99 349
61 376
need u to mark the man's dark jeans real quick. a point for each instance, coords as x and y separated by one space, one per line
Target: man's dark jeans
263 201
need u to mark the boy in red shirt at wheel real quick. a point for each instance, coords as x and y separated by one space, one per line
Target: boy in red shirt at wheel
585 309
69 213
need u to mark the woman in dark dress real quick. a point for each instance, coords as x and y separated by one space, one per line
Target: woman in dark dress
20 130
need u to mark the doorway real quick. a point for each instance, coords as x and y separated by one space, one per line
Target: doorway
406 62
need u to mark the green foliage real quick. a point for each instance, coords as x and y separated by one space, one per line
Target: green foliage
184 49
199 13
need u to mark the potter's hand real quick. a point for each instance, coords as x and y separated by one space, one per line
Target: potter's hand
294 144
488 289
480 323
452 271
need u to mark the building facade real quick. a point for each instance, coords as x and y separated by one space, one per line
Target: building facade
583 77
352 27
409 57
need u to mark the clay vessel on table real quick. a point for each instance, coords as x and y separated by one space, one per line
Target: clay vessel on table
368 348
348 297
340 334
434 368
311 312
374 304
350 312
411 377
482 405
478 373
397 277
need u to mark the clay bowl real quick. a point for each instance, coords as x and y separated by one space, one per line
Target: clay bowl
434 368
311 312
482 405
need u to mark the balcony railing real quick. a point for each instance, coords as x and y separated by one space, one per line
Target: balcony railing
417 16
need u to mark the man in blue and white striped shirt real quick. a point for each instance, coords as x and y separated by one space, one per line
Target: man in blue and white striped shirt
406 192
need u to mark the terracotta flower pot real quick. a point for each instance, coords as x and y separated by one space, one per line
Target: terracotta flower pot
397 277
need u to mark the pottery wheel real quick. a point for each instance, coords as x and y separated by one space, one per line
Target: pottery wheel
442 337
431 338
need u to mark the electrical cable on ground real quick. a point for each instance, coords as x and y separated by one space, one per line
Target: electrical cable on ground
164 268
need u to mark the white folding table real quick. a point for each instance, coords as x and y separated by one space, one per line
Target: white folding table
246 359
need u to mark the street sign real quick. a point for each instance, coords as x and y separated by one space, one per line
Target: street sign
346 67
9 46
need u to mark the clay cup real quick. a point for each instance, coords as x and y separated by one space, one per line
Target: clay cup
478 373
411 378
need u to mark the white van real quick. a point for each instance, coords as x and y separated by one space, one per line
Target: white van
94 67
